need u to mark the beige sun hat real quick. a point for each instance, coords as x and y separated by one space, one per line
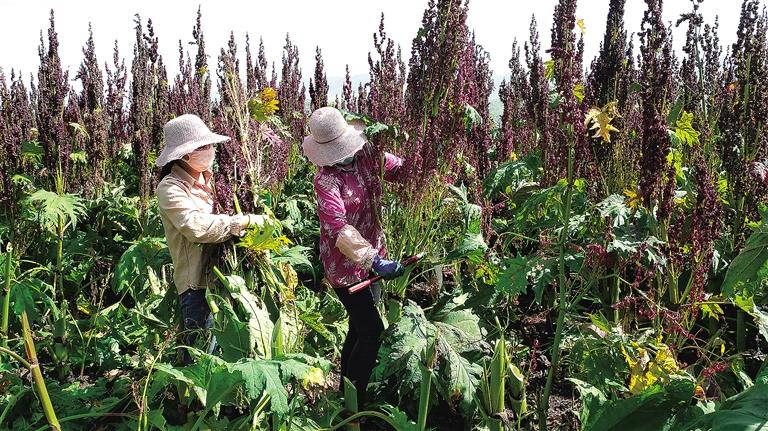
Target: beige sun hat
185 134
331 138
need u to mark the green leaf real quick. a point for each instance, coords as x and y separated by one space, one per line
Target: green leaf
684 130
747 271
646 411
472 246
238 335
32 151
131 270
514 279
578 92
25 293
635 87
744 412
674 114
296 257
53 208
456 333
264 234
549 69
472 118
509 177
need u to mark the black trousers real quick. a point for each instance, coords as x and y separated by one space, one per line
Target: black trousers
358 356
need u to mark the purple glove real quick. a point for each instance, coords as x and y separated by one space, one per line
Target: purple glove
387 269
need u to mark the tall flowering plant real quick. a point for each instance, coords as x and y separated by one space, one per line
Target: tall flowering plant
91 105
51 95
434 117
517 127
256 157
318 89
149 108
387 80
291 91
656 76
115 109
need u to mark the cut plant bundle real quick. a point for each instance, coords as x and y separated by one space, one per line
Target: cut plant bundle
586 245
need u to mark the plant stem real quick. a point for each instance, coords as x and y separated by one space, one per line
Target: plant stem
562 304
37 375
58 277
615 293
741 331
15 356
7 294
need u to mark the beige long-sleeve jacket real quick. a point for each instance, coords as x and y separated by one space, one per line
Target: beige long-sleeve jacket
186 209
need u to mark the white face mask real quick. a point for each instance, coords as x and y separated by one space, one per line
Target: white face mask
201 160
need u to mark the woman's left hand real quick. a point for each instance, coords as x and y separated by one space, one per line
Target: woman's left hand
387 269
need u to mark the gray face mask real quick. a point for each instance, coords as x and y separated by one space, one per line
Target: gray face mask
346 161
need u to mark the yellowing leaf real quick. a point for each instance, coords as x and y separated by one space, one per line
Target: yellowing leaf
684 129
601 121
712 310
582 27
699 392
633 198
264 105
578 92
314 377
549 69
644 372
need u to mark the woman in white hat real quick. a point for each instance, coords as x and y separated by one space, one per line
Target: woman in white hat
185 200
351 238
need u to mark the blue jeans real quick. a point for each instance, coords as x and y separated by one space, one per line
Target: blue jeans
197 317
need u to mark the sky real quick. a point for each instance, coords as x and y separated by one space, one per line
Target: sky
342 28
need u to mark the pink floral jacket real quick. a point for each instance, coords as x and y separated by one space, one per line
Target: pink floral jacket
344 198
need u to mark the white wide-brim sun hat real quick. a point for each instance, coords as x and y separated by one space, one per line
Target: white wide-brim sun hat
185 134
331 138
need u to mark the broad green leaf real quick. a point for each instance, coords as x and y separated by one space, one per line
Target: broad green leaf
743 412
674 113
251 332
748 268
684 130
647 411
471 246
514 279
472 118
131 269
53 209
509 177
456 332
25 292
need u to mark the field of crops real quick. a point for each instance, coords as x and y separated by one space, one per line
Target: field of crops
596 258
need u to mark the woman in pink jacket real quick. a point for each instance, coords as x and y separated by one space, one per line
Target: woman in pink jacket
352 243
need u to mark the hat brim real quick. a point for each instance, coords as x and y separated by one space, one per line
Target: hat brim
166 156
350 142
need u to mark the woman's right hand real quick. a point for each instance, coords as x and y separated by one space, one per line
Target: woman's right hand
244 221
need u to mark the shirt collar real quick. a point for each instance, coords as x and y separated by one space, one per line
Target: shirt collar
190 180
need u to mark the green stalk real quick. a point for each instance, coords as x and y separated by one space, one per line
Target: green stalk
7 294
37 375
497 385
425 387
615 293
517 390
562 304
58 279
350 402
424 394
741 331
